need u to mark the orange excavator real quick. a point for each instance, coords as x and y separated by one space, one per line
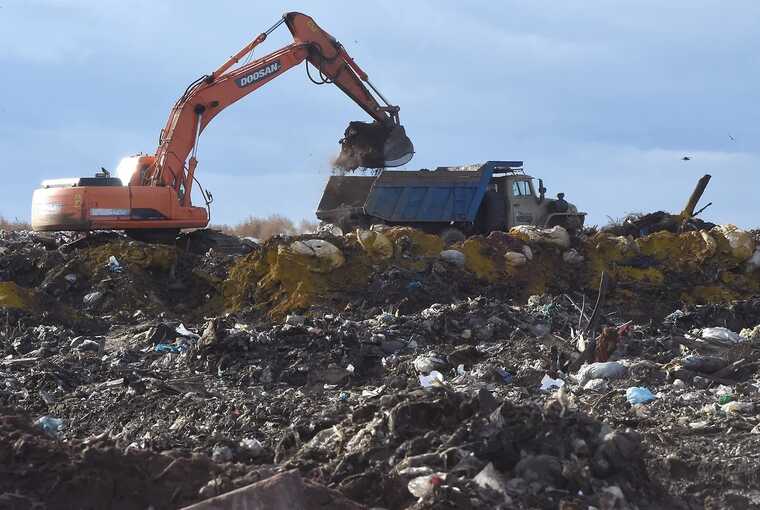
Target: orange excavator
151 197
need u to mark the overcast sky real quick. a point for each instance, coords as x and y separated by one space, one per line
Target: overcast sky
600 98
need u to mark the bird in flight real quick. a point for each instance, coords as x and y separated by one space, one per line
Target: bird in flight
732 138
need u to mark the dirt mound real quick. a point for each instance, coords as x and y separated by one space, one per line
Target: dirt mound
385 368
40 471
208 274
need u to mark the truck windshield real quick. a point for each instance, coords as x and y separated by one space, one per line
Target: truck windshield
521 189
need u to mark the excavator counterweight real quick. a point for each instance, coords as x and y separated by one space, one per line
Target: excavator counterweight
151 197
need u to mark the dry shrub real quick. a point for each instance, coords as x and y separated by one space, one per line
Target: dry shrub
264 228
307 227
14 225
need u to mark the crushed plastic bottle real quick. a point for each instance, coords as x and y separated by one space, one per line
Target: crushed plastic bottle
113 265
506 377
51 426
90 299
173 348
424 485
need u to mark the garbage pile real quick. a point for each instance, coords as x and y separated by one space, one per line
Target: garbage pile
638 225
381 369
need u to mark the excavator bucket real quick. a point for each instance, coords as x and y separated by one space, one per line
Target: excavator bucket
373 145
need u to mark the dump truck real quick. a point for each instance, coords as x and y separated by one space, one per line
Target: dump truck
453 202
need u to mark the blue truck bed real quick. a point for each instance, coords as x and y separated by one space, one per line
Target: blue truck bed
448 194
437 196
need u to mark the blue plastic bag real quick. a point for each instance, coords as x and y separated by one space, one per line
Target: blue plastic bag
174 348
638 395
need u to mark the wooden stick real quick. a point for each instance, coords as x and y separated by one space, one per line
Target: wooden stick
688 211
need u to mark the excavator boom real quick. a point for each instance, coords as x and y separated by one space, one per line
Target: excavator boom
154 192
211 94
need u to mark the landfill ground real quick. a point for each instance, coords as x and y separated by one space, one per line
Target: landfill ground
388 370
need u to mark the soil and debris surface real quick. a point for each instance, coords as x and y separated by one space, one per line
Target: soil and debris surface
383 367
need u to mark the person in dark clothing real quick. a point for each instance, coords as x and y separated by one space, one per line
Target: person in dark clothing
559 205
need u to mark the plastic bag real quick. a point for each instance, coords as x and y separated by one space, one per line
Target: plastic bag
424 485
434 378
606 370
455 257
721 334
514 259
548 383
638 395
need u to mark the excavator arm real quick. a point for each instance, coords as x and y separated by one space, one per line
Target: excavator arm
382 143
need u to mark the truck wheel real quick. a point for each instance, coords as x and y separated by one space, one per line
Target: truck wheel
452 236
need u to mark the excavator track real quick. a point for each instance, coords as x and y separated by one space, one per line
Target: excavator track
154 236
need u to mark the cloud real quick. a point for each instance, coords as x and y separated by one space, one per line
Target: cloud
74 31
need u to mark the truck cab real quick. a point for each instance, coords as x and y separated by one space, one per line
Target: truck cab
514 198
525 203
521 197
